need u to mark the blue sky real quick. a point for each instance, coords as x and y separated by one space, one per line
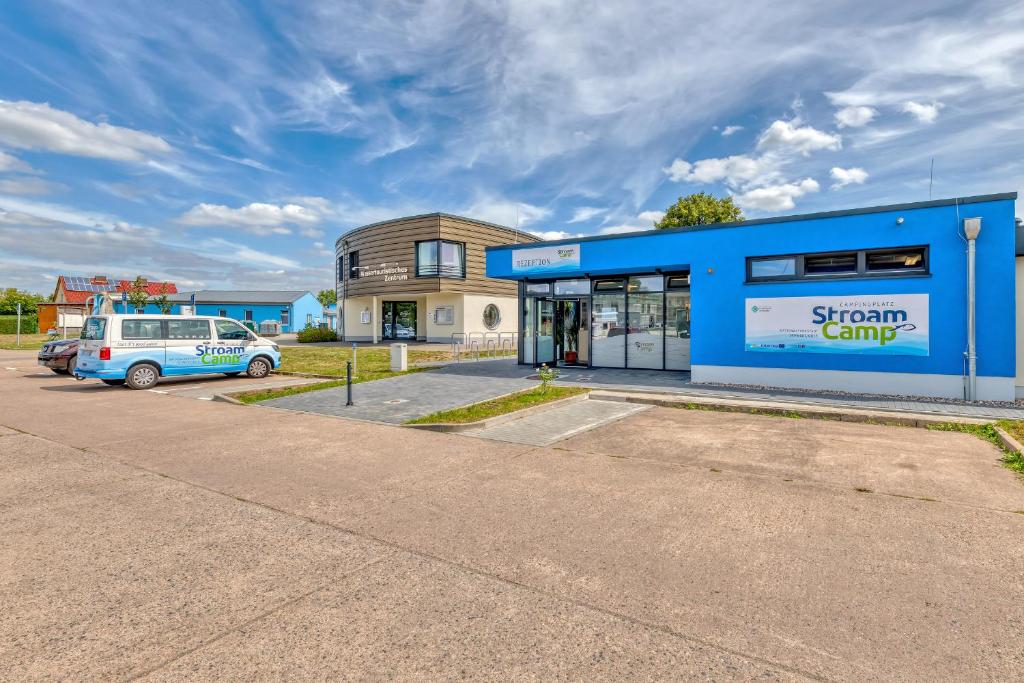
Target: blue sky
223 144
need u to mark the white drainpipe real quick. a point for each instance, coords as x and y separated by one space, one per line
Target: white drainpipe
972 227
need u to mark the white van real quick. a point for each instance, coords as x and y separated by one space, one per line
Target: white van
138 349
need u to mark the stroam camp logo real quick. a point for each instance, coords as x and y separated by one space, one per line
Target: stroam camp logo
219 355
883 324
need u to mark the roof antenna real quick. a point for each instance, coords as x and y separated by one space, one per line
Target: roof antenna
931 179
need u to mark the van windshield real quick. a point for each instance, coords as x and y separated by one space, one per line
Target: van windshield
94 329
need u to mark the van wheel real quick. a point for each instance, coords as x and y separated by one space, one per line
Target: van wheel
142 376
113 382
258 368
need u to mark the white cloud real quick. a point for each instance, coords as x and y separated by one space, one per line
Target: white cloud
776 197
9 164
256 218
554 234
504 212
847 176
925 113
585 213
30 125
28 185
651 216
729 130
789 135
855 117
734 170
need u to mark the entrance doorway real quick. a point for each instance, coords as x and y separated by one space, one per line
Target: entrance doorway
398 320
561 332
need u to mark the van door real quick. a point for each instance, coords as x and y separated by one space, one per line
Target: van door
239 344
189 347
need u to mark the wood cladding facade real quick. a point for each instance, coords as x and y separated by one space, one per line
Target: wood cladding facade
393 245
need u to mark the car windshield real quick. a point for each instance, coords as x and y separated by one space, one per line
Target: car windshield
94 329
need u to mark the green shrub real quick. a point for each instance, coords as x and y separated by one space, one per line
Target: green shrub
9 324
317 334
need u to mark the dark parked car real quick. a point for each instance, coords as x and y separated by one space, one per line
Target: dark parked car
60 356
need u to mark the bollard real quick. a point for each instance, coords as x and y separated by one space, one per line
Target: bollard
348 383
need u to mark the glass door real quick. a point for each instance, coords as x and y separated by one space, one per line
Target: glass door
545 339
398 320
677 330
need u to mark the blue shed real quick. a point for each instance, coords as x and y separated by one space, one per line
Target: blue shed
293 309
869 300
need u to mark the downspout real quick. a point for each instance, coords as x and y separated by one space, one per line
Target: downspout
972 227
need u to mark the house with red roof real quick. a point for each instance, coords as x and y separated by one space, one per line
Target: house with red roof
72 294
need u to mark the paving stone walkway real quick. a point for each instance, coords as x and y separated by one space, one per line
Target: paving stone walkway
453 385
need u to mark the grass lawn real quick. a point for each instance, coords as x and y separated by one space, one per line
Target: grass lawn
28 341
330 360
499 406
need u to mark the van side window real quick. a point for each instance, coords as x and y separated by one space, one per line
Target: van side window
141 329
231 330
188 329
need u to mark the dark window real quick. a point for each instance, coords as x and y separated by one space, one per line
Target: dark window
141 329
140 311
227 329
284 316
341 267
609 285
902 260
440 258
223 313
891 262
765 268
353 265
677 282
188 328
830 264
248 316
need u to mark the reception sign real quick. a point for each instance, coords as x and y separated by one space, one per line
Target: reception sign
546 259
877 324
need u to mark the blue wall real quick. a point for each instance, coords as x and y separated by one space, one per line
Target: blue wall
717 257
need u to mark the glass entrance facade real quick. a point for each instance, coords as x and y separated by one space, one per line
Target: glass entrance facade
398 320
610 322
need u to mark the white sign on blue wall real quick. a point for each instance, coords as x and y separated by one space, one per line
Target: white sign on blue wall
876 324
546 259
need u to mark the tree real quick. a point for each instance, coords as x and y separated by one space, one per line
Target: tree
327 297
138 297
162 302
700 209
11 297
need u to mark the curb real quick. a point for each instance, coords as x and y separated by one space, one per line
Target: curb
450 427
224 398
873 416
1009 443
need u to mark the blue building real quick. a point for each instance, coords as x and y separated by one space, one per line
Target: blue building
869 300
294 310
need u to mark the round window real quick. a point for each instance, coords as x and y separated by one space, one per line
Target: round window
492 316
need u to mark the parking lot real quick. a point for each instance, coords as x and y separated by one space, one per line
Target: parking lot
144 535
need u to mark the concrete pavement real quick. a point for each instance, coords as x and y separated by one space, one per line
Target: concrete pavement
144 535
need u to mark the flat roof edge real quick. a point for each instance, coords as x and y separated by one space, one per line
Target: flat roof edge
976 199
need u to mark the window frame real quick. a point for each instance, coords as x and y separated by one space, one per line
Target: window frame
437 270
861 272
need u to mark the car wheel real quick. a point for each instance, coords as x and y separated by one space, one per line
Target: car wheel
113 382
142 376
258 368
72 365
233 374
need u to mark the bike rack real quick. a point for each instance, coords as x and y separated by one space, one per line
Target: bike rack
491 341
458 342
